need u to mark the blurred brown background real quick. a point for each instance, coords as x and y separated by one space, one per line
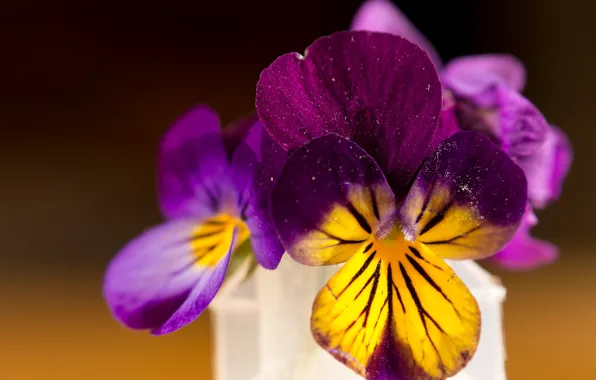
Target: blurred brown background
86 90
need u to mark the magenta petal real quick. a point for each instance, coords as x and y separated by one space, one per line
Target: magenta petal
384 16
378 90
448 123
524 252
192 167
522 128
153 276
473 77
547 168
256 165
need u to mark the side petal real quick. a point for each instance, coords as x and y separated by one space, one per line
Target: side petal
203 292
384 16
150 281
468 199
547 168
379 90
474 77
192 168
397 311
329 201
525 252
256 165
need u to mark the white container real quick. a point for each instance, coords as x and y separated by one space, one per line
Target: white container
262 326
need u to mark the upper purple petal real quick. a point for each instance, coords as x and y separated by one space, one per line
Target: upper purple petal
384 16
150 278
524 252
547 168
474 77
376 89
192 168
256 165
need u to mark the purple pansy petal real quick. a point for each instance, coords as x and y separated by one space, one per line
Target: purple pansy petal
235 133
329 201
524 252
474 77
192 167
149 280
256 164
468 199
376 89
547 168
522 129
202 294
384 16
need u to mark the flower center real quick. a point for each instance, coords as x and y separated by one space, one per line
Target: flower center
393 241
212 238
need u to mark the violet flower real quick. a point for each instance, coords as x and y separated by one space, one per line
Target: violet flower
364 186
485 92
214 206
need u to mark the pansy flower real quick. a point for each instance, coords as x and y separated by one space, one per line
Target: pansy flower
363 186
486 97
216 205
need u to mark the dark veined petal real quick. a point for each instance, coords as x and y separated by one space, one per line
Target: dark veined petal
525 252
167 276
192 168
396 310
468 199
385 16
329 200
256 165
378 90
474 78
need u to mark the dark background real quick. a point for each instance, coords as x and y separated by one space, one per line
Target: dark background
87 88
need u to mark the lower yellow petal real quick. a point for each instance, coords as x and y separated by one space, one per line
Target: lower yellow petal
402 295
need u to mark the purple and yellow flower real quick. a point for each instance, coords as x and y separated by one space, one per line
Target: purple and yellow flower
486 97
215 204
364 185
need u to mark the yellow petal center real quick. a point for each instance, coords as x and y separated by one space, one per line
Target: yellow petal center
212 238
